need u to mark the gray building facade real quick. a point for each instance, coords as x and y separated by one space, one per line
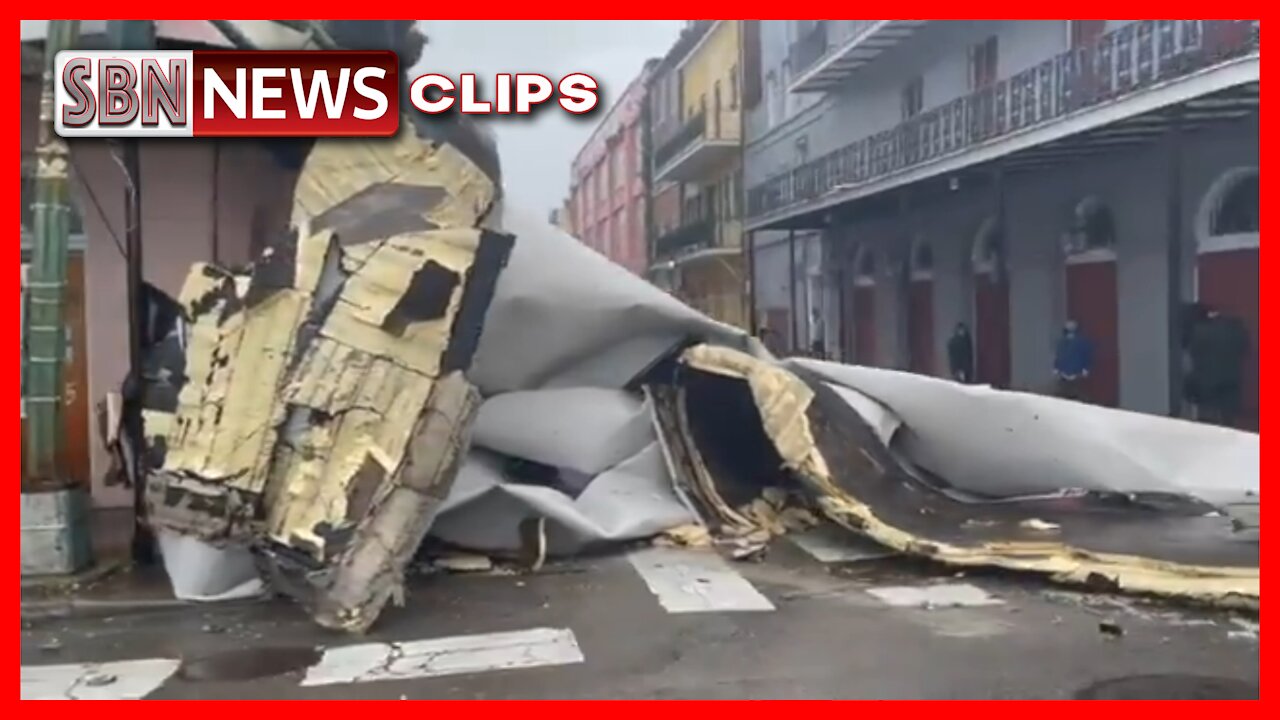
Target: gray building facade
905 176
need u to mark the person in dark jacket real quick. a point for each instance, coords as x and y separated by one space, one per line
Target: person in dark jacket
1218 347
960 354
1073 361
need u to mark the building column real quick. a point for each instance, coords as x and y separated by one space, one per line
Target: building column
795 322
900 261
1174 262
749 250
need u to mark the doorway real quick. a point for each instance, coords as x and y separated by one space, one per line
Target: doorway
1227 270
1092 289
992 341
920 331
863 298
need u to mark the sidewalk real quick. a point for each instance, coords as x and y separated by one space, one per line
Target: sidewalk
113 584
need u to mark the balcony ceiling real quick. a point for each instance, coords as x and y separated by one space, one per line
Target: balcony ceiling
699 161
841 61
1232 104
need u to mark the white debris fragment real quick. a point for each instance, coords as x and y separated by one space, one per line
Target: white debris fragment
935 596
126 680
438 657
1039 525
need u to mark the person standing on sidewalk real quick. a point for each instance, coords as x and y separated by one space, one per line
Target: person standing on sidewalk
960 354
1072 361
1218 348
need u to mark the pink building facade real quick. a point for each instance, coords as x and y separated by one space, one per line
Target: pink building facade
607 188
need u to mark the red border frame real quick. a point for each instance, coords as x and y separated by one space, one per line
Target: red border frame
511 9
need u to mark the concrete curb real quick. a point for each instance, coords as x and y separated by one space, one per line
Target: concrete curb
62 609
50 609
96 573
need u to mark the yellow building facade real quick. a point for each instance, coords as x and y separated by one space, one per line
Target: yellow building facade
705 157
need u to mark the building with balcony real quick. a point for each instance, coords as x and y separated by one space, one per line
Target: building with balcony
906 176
608 189
695 153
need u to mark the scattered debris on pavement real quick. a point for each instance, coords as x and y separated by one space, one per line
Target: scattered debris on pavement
1111 629
418 357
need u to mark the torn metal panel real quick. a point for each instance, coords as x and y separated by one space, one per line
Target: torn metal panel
350 591
693 479
1008 438
325 410
586 459
564 315
1114 542
223 432
586 430
356 187
630 501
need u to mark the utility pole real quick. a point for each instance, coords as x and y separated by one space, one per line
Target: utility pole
134 35
45 341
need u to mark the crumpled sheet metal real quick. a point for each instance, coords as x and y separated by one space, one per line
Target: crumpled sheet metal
564 315
200 572
627 502
1002 443
325 411
604 438
854 483
587 430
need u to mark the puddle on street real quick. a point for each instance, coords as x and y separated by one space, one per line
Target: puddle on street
248 664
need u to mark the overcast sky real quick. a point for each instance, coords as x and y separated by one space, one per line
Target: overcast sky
536 151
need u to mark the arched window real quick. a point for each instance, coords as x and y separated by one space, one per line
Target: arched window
1093 221
1091 229
987 247
922 258
866 263
1236 209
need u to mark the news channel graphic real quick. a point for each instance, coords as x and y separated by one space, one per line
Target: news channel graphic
213 93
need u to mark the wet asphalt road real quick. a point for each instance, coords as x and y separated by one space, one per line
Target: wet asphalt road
828 637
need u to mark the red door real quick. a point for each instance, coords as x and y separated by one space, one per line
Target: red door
920 326
1228 282
991 301
864 324
1092 302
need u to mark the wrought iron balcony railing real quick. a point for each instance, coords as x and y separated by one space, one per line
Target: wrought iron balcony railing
690 237
698 231
690 132
1121 63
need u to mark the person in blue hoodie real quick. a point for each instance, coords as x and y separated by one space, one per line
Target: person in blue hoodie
1072 361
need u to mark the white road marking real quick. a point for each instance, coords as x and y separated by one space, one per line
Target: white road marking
935 596
1249 630
458 655
125 680
830 545
688 581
